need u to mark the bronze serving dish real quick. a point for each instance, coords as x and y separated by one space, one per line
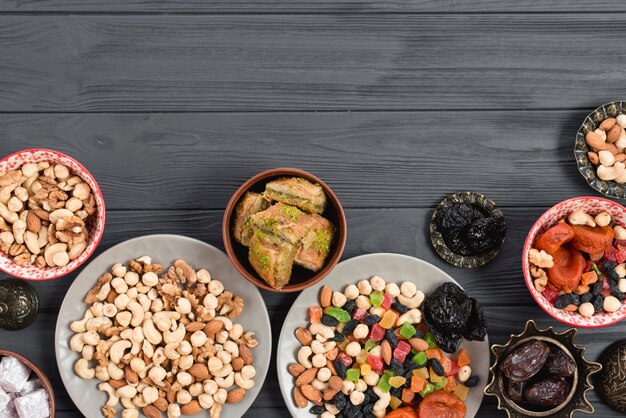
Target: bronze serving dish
576 400
611 382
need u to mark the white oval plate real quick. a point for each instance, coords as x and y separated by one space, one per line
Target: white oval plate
395 268
163 249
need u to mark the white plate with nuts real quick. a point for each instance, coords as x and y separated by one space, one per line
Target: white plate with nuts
395 268
163 325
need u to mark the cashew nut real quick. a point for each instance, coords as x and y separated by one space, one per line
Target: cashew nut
157 374
127 391
117 351
113 398
77 343
174 336
578 217
414 301
83 370
611 173
60 213
150 394
115 372
151 333
53 250
606 158
304 354
32 242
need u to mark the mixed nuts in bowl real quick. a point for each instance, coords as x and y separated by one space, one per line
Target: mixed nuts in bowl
52 214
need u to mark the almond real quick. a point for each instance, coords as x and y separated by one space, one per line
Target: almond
295 369
595 141
419 344
199 371
192 408
335 382
332 354
329 393
194 326
620 158
326 297
116 384
299 398
312 394
237 364
613 134
213 327
151 411
331 367
304 336
170 395
593 158
385 349
33 222
236 395
607 124
246 354
42 214
130 375
161 404
306 377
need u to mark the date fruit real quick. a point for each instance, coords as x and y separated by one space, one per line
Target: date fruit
560 364
515 391
548 392
525 361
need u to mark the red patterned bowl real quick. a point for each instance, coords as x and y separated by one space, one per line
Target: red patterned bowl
95 225
593 206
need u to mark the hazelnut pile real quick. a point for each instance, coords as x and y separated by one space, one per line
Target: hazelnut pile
608 146
44 209
165 344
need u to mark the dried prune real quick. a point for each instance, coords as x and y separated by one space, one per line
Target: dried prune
476 328
548 392
515 391
567 299
448 342
559 364
455 217
448 308
525 361
486 234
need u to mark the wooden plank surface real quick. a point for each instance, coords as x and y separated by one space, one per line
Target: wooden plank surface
311 6
262 62
370 159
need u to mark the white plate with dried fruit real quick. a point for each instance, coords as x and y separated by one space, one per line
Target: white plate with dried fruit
163 325
376 335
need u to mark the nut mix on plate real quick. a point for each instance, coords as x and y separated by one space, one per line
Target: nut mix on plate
579 263
608 144
21 393
44 210
367 352
164 343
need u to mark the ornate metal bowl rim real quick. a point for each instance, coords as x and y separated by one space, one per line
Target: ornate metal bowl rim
568 407
439 244
585 167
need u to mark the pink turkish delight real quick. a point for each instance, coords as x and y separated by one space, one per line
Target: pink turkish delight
33 405
13 374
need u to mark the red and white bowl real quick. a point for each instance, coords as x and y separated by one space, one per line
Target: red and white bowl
95 225
592 206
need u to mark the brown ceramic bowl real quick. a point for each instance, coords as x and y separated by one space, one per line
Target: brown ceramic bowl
40 375
300 277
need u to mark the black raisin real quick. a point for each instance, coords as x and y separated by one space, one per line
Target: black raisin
368 408
435 364
598 303
329 320
341 402
349 327
609 268
317 410
397 367
349 306
419 334
586 298
338 337
398 307
567 299
596 288
391 338
370 320
397 392
472 381
340 368
615 290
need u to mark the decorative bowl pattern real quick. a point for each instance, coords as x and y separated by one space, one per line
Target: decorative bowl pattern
95 226
44 379
586 168
593 206
301 278
442 249
577 399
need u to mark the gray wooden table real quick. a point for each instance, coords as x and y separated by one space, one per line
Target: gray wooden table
395 103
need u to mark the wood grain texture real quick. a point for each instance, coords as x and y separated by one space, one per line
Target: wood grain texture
378 159
309 62
503 321
309 6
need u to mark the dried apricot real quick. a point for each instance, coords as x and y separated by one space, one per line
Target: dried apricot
441 404
554 238
568 268
592 239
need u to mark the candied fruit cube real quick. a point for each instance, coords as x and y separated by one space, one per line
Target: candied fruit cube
397 381
33 405
345 359
464 358
365 369
434 353
359 313
403 348
441 384
395 403
418 383
421 372
377 333
315 314
454 369
13 374
353 375
430 339
376 299
434 377
420 358
407 330
362 356
369 344
338 313
389 319
461 391
450 385
407 395
428 389
383 382
376 362
386 302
